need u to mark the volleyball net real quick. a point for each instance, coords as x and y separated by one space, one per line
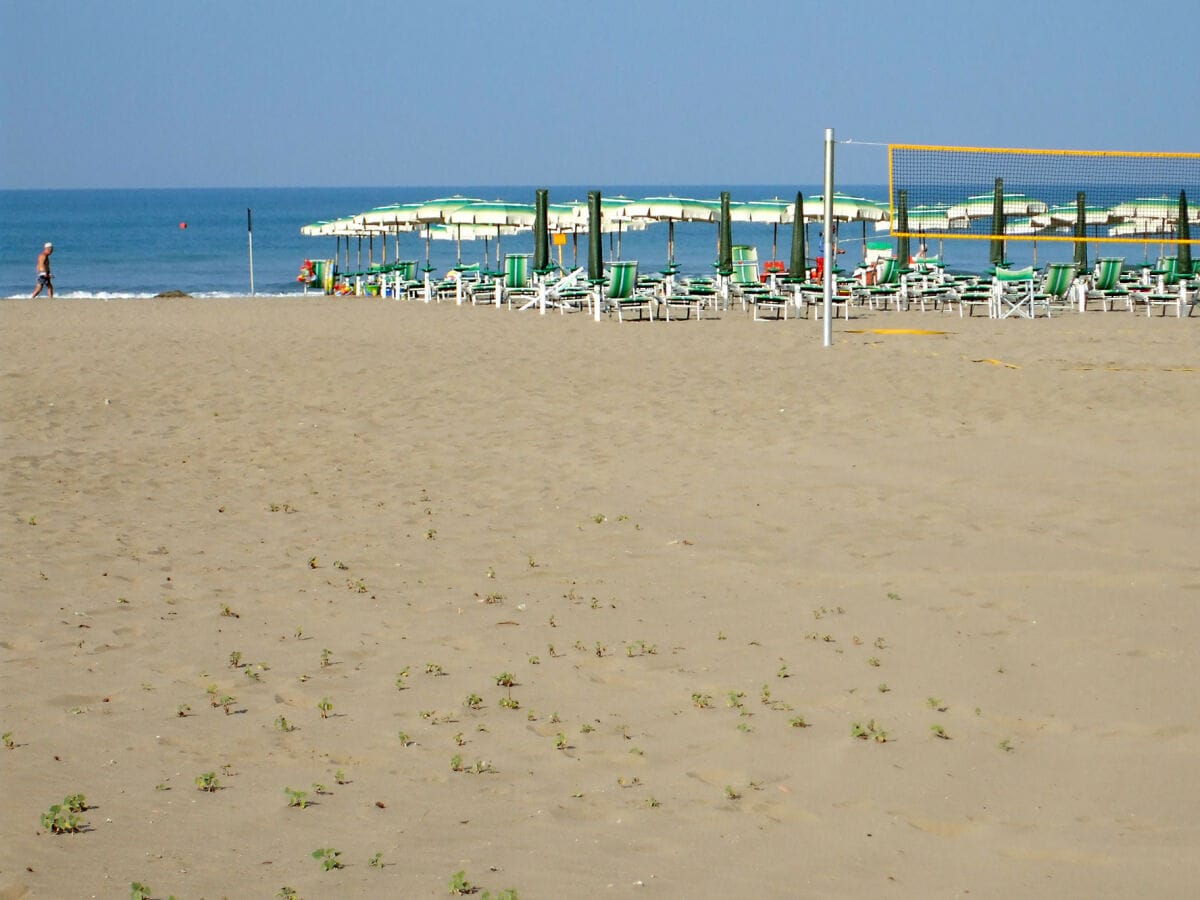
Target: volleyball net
982 193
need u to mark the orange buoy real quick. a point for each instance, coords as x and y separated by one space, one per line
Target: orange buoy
183 224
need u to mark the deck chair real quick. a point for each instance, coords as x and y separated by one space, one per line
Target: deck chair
1013 294
622 292
1057 287
517 282
887 282
1106 285
745 272
766 303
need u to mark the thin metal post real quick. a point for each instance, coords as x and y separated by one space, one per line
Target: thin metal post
827 324
250 239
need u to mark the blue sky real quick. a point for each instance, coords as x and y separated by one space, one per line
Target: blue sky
165 93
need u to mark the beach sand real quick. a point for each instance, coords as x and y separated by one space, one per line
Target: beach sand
703 551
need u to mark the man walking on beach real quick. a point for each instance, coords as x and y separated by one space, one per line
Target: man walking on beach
44 278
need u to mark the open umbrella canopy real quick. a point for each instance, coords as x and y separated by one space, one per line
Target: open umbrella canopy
845 209
1147 208
437 210
492 212
981 206
395 215
669 209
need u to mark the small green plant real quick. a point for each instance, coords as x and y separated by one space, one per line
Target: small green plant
1006 745
357 585
456 763
340 777
473 701
402 679
599 518
75 803
883 688
235 659
297 798
506 679
782 671
459 740
510 703
535 661
328 858
459 884
325 706
797 722
702 701
434 669
873 662
319 789
870 731
734 699
936 704
326 658
431 534
139 891
376 861
314 563
282 724
208 782
60 820
586 728
226 703
227 611
252 674
405 740
9 744
939 732
287 893
731 794
183 710
561 742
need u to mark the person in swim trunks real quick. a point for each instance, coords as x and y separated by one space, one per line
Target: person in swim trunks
44 278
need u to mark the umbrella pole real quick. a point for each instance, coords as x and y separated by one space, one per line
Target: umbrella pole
775 240
670 243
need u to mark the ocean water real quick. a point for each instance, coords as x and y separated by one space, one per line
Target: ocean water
130 243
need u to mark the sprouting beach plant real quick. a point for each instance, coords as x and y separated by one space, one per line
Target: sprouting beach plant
797 722
227 611
326 658
939 732
474 701
506 679
561 742
734 699
9 744
328 858
880 644
376 861
325 706
402 679
340 777
456 763
883 688
282 724
235 659
870 731
75 803
535 660
319 789
357 585
405 740
287 893
936 704
1006 745
782 671
226 703
139 891
340 566
208 782
459 739
702 701
431 534
183 710
60 820
314 563
252 674
510 703
433 669
297 798
873 661
731 794
459 884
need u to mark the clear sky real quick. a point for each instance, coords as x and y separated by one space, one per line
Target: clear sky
199 93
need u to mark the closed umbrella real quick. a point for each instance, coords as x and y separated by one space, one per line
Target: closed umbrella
798 266
1081 232
541 239
902 246
996 256
725 238
595 246
1184 262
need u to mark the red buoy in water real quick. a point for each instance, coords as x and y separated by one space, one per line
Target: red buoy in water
183 224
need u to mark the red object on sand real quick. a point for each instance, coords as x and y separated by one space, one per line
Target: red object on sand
183 224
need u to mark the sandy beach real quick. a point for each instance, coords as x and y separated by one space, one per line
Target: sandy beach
687 609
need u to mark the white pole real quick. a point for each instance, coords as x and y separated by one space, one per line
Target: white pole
250 239
827 325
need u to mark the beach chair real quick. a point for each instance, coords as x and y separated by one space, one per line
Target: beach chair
516 277
1013 294
622 293
887 284
1106 285
1058 287
746 282
970 294
769 303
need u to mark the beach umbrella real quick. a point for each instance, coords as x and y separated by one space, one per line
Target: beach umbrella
725 238
1184 263
774 212
902 246
1081 231
996 256
982 206
669 210
437 210
595 247
798 266
541 226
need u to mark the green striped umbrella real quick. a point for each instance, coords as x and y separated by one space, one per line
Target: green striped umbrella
1185 234
798 266
725 238
996 256
1081 231
437 210
541 239
669 210
595 247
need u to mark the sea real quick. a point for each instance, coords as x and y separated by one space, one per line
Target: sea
218 242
